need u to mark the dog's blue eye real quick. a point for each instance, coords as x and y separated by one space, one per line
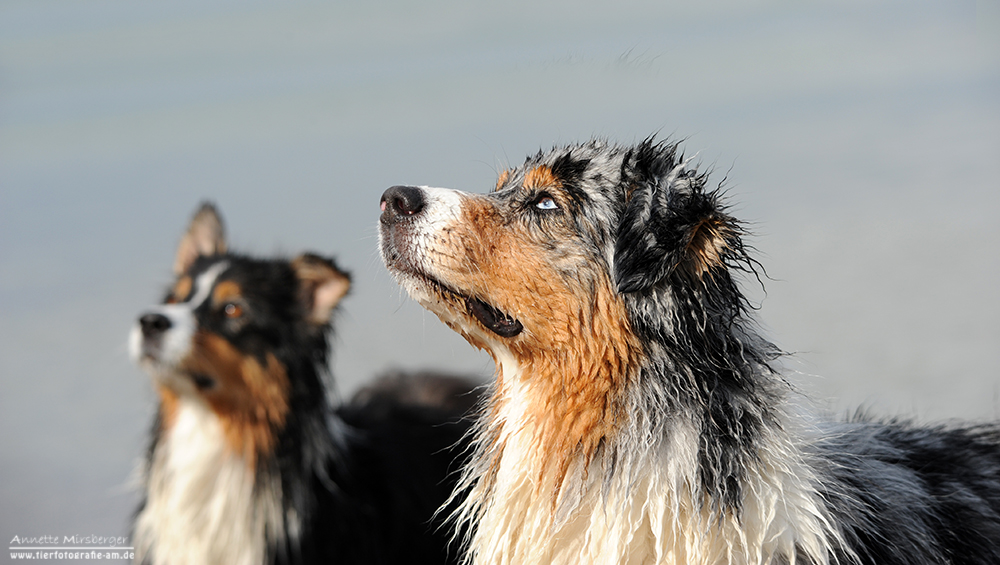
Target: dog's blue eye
546 203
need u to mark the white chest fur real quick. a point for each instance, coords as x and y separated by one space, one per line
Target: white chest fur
201 505
650 509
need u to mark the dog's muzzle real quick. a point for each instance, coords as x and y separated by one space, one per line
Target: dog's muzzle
162 335
149 336
402 205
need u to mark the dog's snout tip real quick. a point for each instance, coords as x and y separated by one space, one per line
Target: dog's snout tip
400 202
153 324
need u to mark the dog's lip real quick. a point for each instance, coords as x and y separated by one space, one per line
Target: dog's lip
491 317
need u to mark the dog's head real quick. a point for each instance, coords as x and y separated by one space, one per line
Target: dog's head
570 252
235 333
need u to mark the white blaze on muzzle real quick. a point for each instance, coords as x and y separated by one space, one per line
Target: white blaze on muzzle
167 348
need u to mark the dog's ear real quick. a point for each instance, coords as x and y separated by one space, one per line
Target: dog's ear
670 223
205 236
321 285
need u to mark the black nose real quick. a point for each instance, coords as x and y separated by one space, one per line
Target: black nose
401 202
153 324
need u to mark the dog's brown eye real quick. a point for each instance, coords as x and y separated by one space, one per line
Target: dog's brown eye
233 310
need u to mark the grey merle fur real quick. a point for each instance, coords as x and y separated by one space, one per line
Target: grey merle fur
896 491
899 492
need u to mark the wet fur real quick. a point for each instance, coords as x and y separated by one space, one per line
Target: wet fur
639 416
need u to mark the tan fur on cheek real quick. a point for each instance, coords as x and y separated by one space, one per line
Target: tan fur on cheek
577 347
250 399
577 390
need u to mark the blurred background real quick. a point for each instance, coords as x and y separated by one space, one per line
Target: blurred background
860 139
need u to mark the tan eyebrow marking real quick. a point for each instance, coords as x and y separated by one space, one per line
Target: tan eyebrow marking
225 291
540 177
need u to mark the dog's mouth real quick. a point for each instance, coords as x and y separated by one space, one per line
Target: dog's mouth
149 353
202 381
493 319
161 368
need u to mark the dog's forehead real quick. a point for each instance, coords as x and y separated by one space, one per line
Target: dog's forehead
249 279
593 167
197 285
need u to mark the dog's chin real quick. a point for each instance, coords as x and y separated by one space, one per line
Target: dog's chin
458 309
172 376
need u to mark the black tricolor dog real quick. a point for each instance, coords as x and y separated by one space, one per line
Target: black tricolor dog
638 415
248 462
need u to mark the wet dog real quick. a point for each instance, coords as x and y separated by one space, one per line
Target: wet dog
248 462
638 414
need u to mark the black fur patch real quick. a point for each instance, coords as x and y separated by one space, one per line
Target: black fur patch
569 170
665 208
